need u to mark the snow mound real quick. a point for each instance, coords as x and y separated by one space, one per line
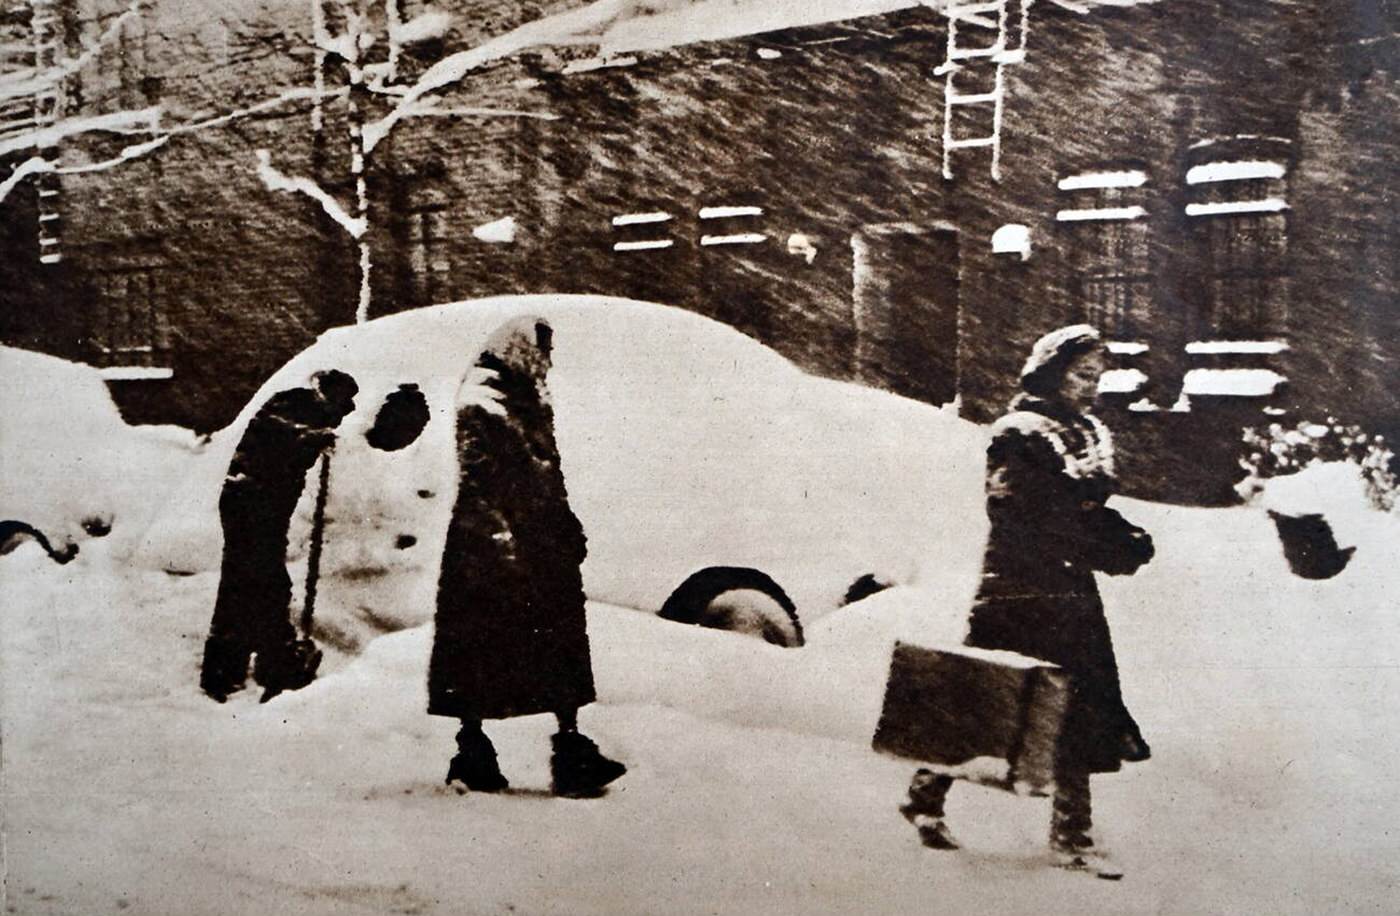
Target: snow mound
684 445
69 465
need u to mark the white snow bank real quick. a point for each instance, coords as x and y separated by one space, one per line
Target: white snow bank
67 457
684 444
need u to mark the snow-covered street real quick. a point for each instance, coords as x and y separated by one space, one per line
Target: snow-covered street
1269 700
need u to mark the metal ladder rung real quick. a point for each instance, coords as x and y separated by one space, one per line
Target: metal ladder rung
971 142
976 98
973 53
956 9
980 21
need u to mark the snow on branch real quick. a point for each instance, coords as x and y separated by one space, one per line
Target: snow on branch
147 121
31 166
36 164
27 83
144 120
287 95
429 110
423 27
277 181
582 25
128 153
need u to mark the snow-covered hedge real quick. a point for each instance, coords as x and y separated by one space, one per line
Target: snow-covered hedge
1277 452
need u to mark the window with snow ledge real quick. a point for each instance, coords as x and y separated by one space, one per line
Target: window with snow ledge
642 230
1102 216
730 224
127 326
1237 191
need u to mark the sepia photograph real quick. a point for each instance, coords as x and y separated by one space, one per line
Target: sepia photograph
715 457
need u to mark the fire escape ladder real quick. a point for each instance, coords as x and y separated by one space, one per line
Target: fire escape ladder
972 118
44 26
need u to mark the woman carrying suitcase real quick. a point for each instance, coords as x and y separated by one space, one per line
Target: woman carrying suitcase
1050 472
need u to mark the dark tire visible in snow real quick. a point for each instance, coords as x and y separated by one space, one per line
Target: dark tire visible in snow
720 597
14 532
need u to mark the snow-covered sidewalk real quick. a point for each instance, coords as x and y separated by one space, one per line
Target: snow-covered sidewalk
1270 702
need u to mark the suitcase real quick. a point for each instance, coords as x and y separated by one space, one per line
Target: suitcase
990 717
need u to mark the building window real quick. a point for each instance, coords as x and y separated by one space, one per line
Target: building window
644 230
126 330
427 259
1237 206
1103 210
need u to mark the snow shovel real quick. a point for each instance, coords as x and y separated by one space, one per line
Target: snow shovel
313 556
305 656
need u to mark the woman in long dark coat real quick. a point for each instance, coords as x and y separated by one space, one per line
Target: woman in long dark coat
1050 471
511 633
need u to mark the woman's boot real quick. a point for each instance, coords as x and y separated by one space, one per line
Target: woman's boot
924 809
475 765
578 768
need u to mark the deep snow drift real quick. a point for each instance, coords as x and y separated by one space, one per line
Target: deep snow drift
66 456
1270 702
684 445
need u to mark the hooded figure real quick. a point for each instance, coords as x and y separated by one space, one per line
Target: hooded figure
265 480
511 634
1050 473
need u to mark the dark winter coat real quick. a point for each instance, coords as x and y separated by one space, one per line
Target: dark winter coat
265 480
511 636
1049 474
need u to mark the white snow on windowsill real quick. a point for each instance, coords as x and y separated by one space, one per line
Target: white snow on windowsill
632 219
1133 178
1100 213
726 212
1121 381
1268 205
1253 383
1240 170
1126 348
1202 347
134 373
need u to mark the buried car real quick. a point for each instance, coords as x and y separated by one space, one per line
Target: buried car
706 469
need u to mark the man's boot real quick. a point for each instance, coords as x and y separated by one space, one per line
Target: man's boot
286 666
578 768
224 670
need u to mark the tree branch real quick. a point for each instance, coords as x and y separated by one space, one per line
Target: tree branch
19 85
276 181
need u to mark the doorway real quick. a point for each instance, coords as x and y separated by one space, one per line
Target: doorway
905 290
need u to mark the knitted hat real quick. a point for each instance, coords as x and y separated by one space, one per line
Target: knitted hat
1052 355
334 385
